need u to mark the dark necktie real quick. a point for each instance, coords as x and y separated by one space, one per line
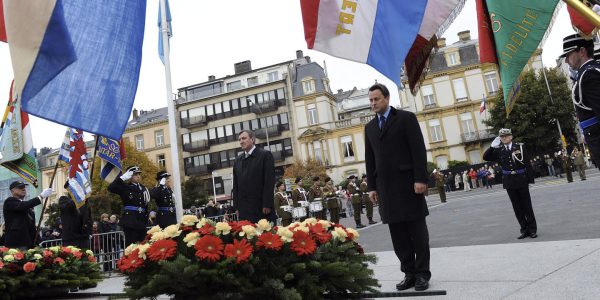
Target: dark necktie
381 122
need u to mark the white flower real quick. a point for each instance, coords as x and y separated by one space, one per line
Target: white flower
189 220
285 233
130 248
12 251
172 231
201 223
54 249
301 228
354 233
339 234
191 238
249 231
142 249
263 225
158 236
8 258
326 224
222 228
311 221
37 256
153 229
89 252
294 224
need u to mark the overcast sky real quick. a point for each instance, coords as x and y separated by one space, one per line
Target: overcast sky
210 36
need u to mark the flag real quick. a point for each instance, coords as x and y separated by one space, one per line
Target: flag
2 26
487 50
581 24
16 144
111 153
74 153
161 52
77 62
378 33
482 107
438 15
518 29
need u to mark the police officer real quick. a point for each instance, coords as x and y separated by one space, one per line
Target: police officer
135 198
579 55
316 194
281 199
356 200
331 200
163 195
364 189
517 174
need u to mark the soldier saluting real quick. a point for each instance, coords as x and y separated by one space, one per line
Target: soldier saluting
516 176
135 198
163 195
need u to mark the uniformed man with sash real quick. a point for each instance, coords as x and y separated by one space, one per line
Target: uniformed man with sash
364 189
331 201
356 200
163 195
299 194
281 199
316 194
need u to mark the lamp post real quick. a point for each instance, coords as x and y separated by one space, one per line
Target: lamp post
213 174
250 103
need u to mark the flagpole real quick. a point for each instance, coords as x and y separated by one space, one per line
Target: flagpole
560 138
585 11
94 158
171 112
37 230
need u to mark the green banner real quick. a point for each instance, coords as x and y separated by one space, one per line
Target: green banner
519 27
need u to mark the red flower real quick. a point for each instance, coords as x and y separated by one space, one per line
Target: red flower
59 261
91 258
66 249
350 235
29 267
3 249
131 262
237 226
206 229
77 254
18 255
187 228
320 233
1 265
269 241
241 250
161 250
303 244
209 247
47 253
359 248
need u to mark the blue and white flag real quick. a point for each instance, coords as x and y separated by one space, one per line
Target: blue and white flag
161 52
74 153
76 62
111 153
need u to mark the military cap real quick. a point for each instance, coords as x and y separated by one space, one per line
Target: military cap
134 169
504 132
17 184
574 42
162 174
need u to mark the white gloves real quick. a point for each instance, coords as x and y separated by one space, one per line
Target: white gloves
127 175
497 142
163 181
46 193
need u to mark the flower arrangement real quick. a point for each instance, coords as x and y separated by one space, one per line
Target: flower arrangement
203 259
36 272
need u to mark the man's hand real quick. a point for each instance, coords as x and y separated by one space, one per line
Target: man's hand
497 142
373 196
266 210
163 181
420 188
127 175
46 193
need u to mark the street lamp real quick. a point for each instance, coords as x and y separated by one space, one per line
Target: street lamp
250 103
213 174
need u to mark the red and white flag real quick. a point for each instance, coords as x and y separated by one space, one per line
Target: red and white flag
482 107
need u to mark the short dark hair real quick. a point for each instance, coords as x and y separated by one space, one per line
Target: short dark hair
249 132
327 179
316 178
384 90
298 179
589 51
278 184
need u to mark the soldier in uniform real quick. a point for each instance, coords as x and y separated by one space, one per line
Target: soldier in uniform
364 189
299 194
579 55
517 174
332 204
316 194
163 196
440 183
281 199
135 198
356 200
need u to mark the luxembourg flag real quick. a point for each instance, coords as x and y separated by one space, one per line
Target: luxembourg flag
378 33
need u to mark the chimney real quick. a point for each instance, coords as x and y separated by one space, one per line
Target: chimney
211 77
464 36
135 114
307 59
340 91
441 42
299 54
242 67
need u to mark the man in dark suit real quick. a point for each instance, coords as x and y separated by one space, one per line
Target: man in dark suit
163 195
396 162
517 174
135 198
76 222
19 217
253 181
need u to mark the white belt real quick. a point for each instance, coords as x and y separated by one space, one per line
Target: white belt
317 199
356 194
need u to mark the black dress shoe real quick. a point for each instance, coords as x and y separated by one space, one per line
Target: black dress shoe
533 235
372 222
523 235
421 284
405 284
360 226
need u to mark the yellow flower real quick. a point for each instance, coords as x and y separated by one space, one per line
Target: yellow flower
8 258
12 251
89 252
153 229
158 236
294 224
354 233
311 221
285 233
130 248
326 224
222 228
301 228
54 249
172 231
191 238
189 220
249 231
37 256
339 234
201 223
143 249
263 225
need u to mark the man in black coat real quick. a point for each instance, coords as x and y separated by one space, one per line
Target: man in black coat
135 198
517 174
76 222
19 217
163 195
396 162
254 181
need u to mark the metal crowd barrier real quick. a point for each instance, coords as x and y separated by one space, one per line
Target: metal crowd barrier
232 217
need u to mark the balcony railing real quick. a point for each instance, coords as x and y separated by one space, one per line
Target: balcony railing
475 136
196 146
198 170
274 130
193 121
363 120
265 107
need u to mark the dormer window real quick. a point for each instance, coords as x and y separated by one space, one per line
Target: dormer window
308 86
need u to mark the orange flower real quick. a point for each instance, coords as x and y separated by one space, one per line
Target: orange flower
206 229
241 250
209 247
303 244
237 226
161 250
47 253
3 249
320 233
269 241
59 261
91 258
18 255
77 254
29 267
1 265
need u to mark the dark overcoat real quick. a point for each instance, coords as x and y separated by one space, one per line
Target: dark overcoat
163 196
132 196
19 222
511 165
396 158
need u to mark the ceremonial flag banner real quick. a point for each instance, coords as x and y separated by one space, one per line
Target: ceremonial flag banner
111 153
580 23
161 52
16 143
74 153
2 26
518 28
77 62
378 33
